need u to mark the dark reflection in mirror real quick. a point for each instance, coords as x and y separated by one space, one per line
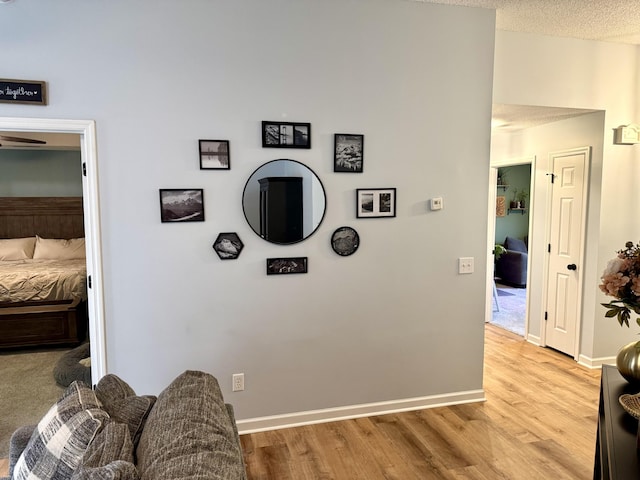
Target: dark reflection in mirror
284 201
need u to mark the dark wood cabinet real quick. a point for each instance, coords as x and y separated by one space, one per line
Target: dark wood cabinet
281 211
617 438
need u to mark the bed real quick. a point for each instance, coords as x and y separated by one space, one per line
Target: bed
43 279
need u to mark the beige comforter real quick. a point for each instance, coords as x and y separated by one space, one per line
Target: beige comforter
45 280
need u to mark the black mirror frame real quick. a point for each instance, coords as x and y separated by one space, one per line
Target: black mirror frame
324 192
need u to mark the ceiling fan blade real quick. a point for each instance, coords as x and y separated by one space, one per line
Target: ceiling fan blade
22 140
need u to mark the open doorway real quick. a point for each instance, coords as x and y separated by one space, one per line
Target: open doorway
62 189
85 129
525 134
511 245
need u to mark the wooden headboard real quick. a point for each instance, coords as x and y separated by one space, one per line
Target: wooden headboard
49 217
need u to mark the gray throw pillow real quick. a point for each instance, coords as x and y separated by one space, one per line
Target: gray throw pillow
109 456
123 405
116 470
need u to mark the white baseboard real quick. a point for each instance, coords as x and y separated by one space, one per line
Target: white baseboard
596 362
534 339
298 419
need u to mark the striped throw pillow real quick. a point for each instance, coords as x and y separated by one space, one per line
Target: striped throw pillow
62 436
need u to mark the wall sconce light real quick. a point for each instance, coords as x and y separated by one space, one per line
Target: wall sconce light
627 134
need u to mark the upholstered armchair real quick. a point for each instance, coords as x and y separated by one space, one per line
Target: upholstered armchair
511 267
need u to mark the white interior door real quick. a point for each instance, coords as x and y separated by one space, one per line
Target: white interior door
566 246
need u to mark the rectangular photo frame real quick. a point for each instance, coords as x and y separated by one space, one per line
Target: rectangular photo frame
348 152
181 205
286 135
375 202
214 155
285 266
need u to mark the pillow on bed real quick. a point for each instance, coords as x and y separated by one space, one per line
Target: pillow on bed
58 249
17 248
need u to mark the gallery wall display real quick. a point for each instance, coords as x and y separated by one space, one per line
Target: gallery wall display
214 155
281 266
283 201
228 246
286 135
181 205
348 153
375 202
345 241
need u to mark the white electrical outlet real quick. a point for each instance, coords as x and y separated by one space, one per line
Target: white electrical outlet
237 382
465 265
436 203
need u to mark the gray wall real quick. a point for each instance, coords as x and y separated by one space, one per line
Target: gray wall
393 321
40 173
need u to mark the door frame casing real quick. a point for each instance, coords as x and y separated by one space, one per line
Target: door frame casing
587 151
91 205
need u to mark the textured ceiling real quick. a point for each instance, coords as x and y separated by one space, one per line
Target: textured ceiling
604 20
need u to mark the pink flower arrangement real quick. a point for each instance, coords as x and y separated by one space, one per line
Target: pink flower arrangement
621 280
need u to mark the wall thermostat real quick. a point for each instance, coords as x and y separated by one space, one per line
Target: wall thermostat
436 203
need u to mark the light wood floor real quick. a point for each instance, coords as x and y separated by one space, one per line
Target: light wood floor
539 422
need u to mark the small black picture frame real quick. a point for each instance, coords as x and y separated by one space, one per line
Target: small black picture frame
284 266
348 152
228 246
375 202
214 155
181 205
286 135
345 241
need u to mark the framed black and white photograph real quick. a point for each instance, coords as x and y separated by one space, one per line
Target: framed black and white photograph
280 266
182 205
286 135
228 246
348 153
345 241
214 155
375 202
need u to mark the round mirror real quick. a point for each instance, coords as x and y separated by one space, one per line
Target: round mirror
284 201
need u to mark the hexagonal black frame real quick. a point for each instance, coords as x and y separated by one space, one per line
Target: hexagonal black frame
228 246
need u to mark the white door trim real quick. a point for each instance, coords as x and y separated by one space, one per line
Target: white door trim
87 131
491 238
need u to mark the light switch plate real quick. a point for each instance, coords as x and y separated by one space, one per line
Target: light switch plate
436 203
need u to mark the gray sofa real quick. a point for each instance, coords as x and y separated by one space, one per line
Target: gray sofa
187 432
511 267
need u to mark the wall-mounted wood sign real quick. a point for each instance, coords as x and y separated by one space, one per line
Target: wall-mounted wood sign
23 91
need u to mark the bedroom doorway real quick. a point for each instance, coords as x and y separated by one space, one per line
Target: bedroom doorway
88 153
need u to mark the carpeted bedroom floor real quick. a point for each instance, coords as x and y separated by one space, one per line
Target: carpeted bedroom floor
28 389
513 309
